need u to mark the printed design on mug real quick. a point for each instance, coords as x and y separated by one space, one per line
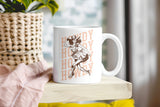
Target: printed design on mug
77 55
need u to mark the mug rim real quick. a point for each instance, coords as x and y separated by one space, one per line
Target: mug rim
74 27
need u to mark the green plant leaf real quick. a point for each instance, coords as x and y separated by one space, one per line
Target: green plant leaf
26 2
53 6
12 6
1 10
16 6
6 6
37 6
22 5
44 1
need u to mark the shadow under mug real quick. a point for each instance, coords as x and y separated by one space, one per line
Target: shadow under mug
78 54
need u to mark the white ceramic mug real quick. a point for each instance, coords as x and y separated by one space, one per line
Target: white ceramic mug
78 54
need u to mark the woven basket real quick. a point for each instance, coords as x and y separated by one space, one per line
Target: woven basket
20 38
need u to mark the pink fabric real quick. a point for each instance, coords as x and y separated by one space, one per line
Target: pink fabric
24 86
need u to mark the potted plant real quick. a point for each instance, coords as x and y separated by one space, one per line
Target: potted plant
21 30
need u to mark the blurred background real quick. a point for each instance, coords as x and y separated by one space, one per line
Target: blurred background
135 22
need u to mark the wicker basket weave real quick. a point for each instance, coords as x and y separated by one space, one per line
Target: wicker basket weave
20 38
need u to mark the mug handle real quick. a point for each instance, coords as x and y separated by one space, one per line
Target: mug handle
120 54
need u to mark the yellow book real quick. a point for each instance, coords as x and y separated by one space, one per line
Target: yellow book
118 103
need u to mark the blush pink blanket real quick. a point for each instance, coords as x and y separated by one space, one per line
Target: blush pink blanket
23 87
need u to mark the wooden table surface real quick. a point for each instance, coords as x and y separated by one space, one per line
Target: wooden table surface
110 88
